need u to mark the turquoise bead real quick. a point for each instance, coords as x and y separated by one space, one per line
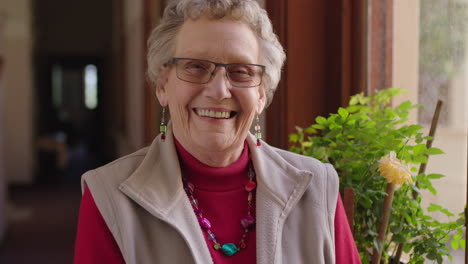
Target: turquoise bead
229 249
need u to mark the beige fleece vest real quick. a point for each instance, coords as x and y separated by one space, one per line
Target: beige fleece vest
142 201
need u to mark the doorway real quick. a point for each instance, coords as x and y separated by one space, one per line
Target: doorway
71 127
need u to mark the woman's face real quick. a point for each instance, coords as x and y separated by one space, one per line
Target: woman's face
222 41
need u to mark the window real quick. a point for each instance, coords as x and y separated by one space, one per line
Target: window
430 55
90 87
57 84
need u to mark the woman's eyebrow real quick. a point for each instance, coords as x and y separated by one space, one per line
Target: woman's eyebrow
207 55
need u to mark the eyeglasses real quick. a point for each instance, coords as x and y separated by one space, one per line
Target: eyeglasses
241 75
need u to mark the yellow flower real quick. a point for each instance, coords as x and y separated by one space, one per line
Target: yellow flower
393 170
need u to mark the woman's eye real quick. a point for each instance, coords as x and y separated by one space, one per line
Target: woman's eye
195 65
240 75
240 71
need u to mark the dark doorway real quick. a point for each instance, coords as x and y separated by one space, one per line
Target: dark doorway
72 121
71 124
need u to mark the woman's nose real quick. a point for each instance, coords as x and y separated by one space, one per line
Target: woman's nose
219 86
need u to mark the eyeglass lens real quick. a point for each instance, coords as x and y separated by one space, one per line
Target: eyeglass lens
200 71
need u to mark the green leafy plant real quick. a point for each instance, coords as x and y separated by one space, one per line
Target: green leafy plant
353 140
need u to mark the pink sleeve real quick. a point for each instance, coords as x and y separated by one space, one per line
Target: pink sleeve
94 241
345 247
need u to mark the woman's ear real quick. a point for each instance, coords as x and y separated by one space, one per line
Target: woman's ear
161 92
261 100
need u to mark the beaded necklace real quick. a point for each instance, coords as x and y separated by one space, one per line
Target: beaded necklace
246 222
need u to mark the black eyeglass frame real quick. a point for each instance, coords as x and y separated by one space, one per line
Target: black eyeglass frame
174 61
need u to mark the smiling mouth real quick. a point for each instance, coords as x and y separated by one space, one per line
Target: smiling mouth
215 114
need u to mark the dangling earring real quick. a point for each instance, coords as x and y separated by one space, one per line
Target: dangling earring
163 126
258 132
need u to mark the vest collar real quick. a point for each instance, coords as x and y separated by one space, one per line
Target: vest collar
156 185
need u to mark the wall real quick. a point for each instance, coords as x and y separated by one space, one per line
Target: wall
17 127
406 50
324 63
72 27
132 136
3 189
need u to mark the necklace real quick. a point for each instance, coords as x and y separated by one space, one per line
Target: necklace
246 222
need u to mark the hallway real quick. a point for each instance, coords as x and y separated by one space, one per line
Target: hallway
44 226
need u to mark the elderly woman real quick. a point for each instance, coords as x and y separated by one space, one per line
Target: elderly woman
206 190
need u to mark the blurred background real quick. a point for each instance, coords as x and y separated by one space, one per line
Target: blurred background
73 94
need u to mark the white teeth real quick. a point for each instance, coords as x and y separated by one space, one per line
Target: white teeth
213 114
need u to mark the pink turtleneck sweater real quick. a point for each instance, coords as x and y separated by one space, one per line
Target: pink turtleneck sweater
221 195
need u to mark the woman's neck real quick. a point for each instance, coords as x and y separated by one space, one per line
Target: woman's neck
214 158
214 178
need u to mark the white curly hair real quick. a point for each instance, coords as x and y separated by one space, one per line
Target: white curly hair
161 42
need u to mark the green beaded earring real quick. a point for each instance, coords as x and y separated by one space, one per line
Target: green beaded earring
258 132
163 125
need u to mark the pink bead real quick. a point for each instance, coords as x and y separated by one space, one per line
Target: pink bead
247 221
190 188
204 223
250 186
243 245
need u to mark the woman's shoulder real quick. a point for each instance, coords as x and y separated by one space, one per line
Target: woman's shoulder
321 178
116 171
301 162
129 160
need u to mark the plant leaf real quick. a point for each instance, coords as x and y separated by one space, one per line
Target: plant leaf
434 176
293 138
320 120
434 208
419 149
434 151
343 112
454 244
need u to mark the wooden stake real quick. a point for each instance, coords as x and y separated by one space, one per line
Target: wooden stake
422 168
387 210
